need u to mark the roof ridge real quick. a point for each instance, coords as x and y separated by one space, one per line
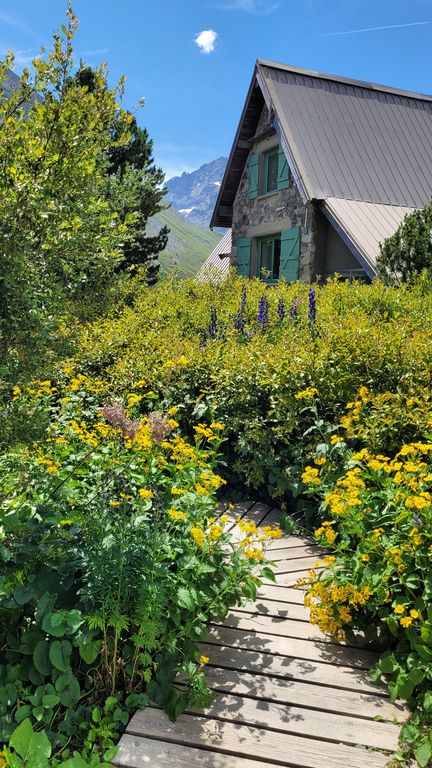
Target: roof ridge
346 80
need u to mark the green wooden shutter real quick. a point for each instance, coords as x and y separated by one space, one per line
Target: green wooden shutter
290 254
253 175
243 255
283 180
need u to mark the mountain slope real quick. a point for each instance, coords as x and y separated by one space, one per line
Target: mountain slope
188 244
194 194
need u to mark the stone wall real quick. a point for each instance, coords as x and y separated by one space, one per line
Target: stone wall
271 213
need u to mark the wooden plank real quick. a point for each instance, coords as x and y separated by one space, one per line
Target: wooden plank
251 742
289 668
270 591
290 542
298 564
303 694
139 752
292 646
272 625
298 720
275 608
291 553
254 515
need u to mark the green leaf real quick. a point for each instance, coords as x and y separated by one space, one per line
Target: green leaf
388 664
23 594
53 624
26 742
50 700
22 712
423 754
60 653
90 651
41 657
68 687
187 598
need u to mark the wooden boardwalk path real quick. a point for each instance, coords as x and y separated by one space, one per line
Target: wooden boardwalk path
286 695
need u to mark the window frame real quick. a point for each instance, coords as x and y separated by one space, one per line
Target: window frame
259 243
273 151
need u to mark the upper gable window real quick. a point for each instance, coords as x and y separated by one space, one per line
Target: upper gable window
270 170
267 172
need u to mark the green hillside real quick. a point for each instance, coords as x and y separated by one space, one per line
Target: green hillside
188 244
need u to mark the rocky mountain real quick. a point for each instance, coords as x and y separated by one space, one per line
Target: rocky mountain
194 194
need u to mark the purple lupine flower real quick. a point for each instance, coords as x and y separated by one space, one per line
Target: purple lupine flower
263 317
417 520
294 308
312 312
281 308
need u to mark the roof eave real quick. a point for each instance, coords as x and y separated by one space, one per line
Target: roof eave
359 255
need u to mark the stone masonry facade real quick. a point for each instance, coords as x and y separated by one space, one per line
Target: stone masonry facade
273 212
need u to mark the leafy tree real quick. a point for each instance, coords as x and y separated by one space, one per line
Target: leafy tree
409 251
135 186
61 240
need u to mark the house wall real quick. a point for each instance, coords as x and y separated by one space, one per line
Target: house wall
273 212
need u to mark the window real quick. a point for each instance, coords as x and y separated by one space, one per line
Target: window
268 257
271 169
267 172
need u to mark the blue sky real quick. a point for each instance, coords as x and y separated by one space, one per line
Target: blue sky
193 98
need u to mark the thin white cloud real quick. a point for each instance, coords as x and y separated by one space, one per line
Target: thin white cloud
95 52
13 21
206 40
375 29
23 57
256 7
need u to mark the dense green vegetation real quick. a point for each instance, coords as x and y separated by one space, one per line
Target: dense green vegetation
154 399
408 252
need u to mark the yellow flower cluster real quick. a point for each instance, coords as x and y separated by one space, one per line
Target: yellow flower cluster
50 465
331 604
39 388
327 532
306 394
198 536
177 514
310 476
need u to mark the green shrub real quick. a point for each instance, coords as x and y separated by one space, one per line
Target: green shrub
376 520
113 562
408 252
247 376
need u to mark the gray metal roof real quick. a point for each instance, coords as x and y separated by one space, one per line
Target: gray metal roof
365 225
218 263
351 140
343 138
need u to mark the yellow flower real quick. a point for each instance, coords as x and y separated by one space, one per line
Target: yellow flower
310 476
336 439
145 493
406 622
216 425
198 536
16 391
365 558
320 461
399 609
414 614
173 410
203 659
306 394
177 514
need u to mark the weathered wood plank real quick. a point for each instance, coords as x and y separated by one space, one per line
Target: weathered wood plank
272 625
306 722
139 752
291 553
275 608
298 564
289 668
303 694
281 593
290 542
251 742
292 646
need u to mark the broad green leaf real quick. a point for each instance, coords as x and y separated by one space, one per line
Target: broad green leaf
41 658
423 754
90 651
26 742
60 653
